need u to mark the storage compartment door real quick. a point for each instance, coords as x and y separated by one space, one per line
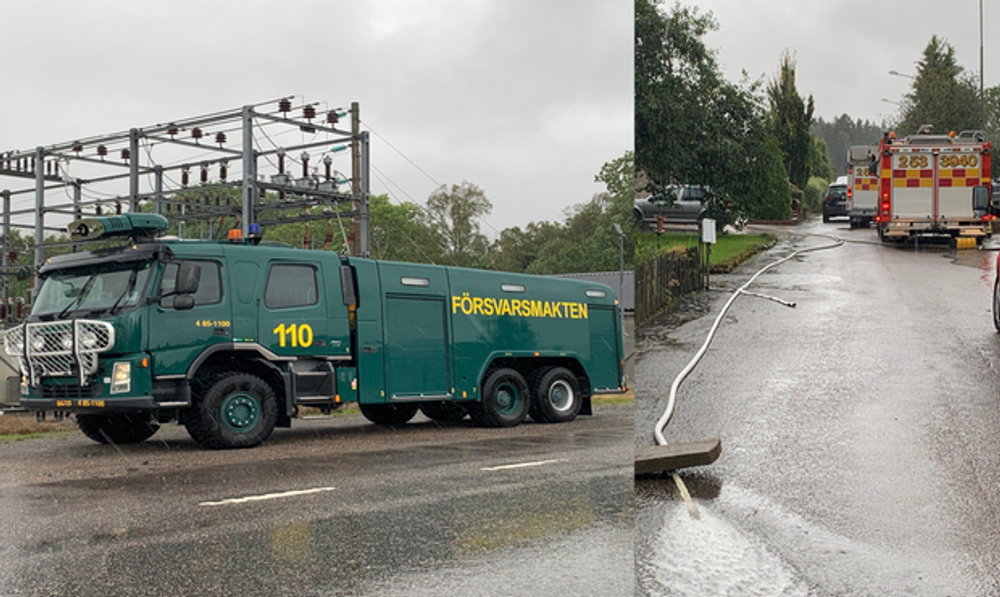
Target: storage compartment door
416 349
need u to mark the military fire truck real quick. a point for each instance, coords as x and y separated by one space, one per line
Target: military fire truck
232 338
935 185
862 187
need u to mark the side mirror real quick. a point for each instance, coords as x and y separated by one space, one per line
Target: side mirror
188 279
183 302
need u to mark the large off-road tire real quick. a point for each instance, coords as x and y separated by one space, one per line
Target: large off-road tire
390 415
116 429
996 304
504 400
232 410
444 412
555 396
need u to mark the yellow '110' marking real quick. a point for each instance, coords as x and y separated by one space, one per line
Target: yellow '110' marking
296 334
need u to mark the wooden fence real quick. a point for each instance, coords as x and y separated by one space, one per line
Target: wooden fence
659 281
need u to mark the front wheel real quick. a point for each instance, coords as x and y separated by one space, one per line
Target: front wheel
504 400
233 410
996 303
555 396
116 429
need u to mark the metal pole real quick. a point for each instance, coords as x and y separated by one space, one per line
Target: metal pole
365 186
133 171
249 171
39 212
78 213
6 247
158 174
982 96
355 176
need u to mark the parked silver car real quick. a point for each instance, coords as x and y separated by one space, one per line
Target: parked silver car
690 202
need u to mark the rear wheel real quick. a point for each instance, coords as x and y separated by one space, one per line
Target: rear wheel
444 412
233 410
116 429
996 303
389 414
555 396
504 400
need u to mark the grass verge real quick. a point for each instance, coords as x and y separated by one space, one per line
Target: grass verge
728 252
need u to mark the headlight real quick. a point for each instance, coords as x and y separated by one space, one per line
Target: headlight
121 377
38 343
88 339
67 342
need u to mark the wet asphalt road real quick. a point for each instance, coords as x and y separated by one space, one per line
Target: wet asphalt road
860 430
416 511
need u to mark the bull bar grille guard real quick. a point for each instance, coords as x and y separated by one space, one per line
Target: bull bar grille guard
59 348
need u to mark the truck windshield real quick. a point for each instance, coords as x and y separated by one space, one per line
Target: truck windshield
92 290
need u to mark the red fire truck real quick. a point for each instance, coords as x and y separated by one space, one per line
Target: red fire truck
935 185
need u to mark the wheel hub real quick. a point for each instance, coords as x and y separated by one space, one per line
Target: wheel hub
561 396
240 412
506 399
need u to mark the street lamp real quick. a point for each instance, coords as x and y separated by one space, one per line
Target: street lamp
899 74
889 101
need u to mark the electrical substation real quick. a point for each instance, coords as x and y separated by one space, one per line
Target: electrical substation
281 155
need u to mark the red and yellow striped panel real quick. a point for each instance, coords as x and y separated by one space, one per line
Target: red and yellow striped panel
913 178
865 184
959 177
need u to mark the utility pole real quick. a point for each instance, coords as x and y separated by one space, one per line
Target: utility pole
356 176
982 95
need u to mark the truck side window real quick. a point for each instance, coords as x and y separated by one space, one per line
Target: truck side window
209 290
291 286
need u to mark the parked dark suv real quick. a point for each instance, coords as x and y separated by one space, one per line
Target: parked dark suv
690 202
835 201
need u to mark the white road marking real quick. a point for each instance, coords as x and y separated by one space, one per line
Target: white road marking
268 496
522 465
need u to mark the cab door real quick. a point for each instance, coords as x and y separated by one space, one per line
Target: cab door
292 315
176 335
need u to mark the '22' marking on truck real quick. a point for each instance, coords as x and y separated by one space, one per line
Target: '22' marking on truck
469 305
296 334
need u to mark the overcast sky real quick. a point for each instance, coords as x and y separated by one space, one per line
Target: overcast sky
526 99
845 49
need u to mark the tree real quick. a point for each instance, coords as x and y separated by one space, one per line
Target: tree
840 134
819 159
942 94
692 126
587 242
454 215
790 118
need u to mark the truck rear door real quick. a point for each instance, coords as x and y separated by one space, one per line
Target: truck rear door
959 169
913 196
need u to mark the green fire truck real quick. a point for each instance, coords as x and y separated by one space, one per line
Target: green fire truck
231 338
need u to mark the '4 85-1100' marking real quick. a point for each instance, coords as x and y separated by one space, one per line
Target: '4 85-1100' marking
297 335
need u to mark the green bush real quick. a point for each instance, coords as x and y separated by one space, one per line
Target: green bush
814 194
